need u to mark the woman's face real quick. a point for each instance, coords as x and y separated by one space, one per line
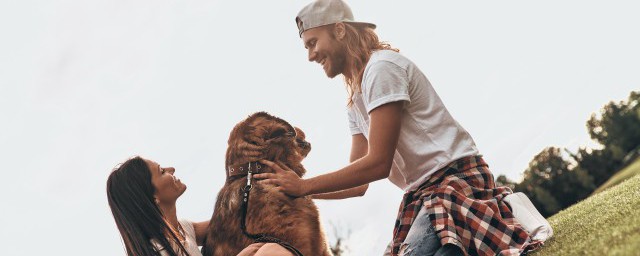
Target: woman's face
167 187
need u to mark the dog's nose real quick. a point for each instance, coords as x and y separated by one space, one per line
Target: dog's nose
303 144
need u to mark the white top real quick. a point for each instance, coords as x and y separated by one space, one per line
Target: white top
429 136
189 244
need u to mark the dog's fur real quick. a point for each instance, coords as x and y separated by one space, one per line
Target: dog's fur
294 220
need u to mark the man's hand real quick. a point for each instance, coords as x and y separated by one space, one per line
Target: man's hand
284 178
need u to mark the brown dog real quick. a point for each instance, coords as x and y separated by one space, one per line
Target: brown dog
269 212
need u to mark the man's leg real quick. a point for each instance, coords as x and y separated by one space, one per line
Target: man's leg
421 239
449 250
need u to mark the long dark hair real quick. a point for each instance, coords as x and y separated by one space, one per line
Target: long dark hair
138 218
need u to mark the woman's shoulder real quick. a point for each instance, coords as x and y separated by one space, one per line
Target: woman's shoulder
191 244
185 222
187 225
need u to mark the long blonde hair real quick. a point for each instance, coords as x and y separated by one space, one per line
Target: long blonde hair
360 41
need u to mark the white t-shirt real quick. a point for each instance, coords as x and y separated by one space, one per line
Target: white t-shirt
189 244
429 136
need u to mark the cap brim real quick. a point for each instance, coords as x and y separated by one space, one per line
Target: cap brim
371 25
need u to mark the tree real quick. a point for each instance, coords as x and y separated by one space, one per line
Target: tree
572 186
617 127
546 166
552 182
599 163
544 201
503 181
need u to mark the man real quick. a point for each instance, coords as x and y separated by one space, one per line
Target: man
402 131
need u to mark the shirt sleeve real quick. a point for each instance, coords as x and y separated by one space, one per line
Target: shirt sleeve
384 82
353 124
188 228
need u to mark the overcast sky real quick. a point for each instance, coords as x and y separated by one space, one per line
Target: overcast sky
86 84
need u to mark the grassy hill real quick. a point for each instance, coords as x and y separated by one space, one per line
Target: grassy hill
607 223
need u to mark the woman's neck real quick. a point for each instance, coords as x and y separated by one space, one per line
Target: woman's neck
169 213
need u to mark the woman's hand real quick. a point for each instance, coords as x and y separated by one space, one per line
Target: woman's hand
251 249
284 178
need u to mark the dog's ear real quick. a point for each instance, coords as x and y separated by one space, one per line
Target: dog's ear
299 133
252 129
244 133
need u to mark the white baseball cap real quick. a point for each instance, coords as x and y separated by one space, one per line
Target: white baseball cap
325 12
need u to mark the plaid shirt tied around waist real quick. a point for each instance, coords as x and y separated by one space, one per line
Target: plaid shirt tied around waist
466 209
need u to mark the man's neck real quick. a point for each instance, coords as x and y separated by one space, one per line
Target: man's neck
348 67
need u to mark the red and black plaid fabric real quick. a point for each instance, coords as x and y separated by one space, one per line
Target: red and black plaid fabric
466 209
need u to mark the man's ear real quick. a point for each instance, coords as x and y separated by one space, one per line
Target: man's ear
339 30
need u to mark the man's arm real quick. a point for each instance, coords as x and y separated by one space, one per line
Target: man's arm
359 149
376 165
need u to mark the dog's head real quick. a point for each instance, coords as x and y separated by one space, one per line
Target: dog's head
263 136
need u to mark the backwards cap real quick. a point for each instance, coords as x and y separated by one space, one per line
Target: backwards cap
325 12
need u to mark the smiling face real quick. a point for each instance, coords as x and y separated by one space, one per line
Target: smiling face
167 187
325 49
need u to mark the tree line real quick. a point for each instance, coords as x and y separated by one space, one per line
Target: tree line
557 178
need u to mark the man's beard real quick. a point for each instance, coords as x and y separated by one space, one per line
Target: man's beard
338 62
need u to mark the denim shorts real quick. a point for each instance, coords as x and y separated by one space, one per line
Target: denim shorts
423 241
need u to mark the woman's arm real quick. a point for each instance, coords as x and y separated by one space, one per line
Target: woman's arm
375 165
359 148
201 229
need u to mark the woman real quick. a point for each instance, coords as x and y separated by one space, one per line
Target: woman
142 196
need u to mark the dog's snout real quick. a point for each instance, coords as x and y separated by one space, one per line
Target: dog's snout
302 144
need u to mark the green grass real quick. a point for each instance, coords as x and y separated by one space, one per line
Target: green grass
607 223
624 174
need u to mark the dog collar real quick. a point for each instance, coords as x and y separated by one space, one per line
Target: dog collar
244 169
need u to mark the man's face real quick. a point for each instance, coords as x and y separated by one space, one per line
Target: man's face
325 49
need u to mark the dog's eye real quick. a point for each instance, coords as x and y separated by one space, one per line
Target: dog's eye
277 133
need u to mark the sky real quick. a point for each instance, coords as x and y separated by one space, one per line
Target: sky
84 85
